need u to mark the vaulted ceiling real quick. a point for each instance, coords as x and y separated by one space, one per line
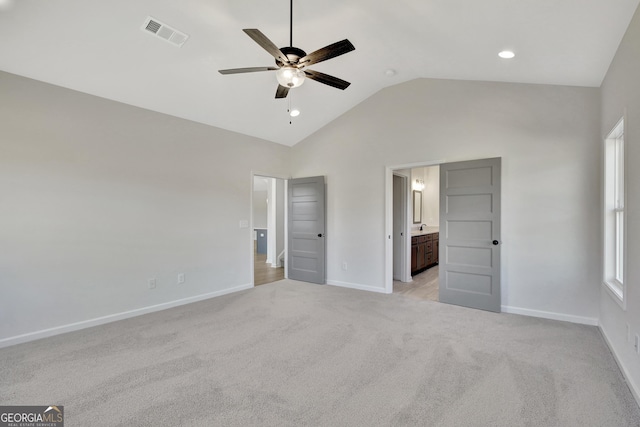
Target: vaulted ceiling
101 48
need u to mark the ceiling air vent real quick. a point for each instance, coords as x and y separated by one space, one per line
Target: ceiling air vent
164 31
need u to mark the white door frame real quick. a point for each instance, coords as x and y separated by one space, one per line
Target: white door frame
400 251
276 200
251 244
388 202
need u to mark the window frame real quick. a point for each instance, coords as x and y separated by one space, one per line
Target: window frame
614 217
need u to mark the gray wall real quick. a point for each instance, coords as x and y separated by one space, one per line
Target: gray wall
620 95
548 138
97 197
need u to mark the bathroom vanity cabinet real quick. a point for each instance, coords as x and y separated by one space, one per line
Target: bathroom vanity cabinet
424 251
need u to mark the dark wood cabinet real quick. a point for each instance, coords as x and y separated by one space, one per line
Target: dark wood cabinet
436 248
424 251
414 256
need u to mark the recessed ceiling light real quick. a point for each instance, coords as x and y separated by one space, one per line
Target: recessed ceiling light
294 113
506 54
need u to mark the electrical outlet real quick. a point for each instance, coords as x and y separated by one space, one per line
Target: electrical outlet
180 278
152 283
344 265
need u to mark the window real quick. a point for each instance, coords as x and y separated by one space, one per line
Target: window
614 214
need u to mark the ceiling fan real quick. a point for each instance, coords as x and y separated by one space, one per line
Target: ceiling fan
292 62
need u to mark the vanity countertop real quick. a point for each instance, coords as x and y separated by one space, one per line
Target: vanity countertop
426 230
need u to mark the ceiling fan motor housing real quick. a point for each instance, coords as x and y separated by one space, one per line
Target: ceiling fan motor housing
293 54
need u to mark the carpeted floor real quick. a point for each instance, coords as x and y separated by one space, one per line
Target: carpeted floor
296 354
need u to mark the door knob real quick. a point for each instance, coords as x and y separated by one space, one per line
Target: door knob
320 234
495 242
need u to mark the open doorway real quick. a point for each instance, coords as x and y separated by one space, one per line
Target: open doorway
268 220
416 206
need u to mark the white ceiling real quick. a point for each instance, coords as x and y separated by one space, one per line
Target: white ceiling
98 47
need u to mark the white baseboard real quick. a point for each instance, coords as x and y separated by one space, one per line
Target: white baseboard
592 321
357 286
32 336
635 390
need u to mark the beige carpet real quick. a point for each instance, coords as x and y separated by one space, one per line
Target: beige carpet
295 354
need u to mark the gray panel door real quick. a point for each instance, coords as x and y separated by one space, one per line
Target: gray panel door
306 225
470 234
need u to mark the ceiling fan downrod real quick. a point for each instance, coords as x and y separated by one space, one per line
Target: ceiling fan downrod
291 23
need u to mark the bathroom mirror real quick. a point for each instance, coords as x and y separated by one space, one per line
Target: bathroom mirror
417 207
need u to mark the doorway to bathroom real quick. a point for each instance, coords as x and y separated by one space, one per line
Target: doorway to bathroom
416 207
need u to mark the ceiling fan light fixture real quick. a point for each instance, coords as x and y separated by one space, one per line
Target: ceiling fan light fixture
290 77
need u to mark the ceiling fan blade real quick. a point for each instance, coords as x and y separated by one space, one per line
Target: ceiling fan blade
282 92
266 44
246 70
327 52
327 79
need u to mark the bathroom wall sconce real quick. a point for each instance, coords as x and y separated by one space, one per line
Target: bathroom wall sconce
419 185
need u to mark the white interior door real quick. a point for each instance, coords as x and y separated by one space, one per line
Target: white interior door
306 225
470 234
